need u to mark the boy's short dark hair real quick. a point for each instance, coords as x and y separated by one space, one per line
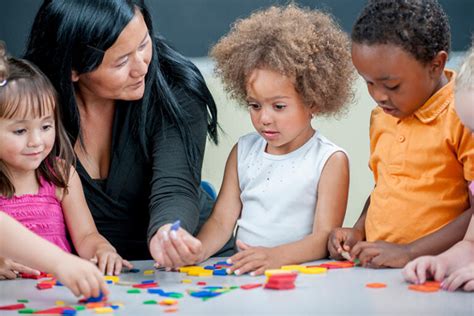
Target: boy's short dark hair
420 27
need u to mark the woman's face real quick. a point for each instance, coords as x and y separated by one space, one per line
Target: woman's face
121 75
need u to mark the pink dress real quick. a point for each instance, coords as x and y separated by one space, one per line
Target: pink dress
41 213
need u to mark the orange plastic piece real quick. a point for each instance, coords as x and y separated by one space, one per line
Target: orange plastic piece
376 285
423 288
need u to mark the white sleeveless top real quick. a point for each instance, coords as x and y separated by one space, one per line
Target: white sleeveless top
279 192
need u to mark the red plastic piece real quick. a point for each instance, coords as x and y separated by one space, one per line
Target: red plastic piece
12 307
145 286
250 286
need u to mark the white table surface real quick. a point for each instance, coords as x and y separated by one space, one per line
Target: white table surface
339 291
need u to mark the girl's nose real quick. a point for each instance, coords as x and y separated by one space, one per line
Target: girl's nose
265 116
379 96
34 139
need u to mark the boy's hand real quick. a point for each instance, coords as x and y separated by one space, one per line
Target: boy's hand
253 259
342 239
460 278
424 268
109 261
9 269
381 254
80 276
175 248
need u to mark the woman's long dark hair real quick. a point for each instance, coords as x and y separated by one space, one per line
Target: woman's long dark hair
72 35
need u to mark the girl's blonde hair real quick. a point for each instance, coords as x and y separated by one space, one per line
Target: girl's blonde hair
26 92
465 77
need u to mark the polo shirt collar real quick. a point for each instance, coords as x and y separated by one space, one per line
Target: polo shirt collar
438 101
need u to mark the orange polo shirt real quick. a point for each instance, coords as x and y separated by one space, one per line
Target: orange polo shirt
421 165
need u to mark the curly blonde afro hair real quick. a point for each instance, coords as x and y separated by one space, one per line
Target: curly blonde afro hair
305 45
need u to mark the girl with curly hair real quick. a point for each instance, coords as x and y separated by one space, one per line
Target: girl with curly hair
285 186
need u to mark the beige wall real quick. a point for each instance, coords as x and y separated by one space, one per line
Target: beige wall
350 132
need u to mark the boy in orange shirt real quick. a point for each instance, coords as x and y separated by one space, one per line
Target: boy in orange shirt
454 267
422 156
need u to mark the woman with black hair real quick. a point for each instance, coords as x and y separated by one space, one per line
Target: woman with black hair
137 113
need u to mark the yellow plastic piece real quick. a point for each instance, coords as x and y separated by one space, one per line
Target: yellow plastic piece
112 278
314 270
200 273
60 303
294 267
103 310
186 281
189 268
276 271
148 272
168 301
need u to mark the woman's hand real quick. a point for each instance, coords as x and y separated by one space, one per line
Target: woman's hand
175 248
9 269
253 259
109 261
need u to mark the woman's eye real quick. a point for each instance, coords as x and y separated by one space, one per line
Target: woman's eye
142 46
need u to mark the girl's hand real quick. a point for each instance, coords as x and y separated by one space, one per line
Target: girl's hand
381 254
9 269
460 278
109 261
173 249
424 268
342 239
80 276
254 259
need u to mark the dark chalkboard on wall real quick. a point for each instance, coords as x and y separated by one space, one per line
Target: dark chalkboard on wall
193 26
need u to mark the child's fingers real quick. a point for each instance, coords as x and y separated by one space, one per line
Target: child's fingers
409 272
94 286
469 286
111 262
453 282
438 271
84 288
74 289
23 269
127 264
259 271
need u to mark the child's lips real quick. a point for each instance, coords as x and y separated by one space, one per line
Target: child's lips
269 134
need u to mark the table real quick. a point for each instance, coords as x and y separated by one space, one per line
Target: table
339 291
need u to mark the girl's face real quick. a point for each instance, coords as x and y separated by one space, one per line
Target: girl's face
398 82
26 142
121 75
277 111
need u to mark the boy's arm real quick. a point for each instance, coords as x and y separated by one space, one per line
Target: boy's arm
443 238
220 225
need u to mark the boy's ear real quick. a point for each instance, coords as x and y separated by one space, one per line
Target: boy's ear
74 76
438 63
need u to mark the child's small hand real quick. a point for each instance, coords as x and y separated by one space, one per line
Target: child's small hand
381 254
342 239
109 261
80 276
424 268
253 259
460 278
175 248
9 269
